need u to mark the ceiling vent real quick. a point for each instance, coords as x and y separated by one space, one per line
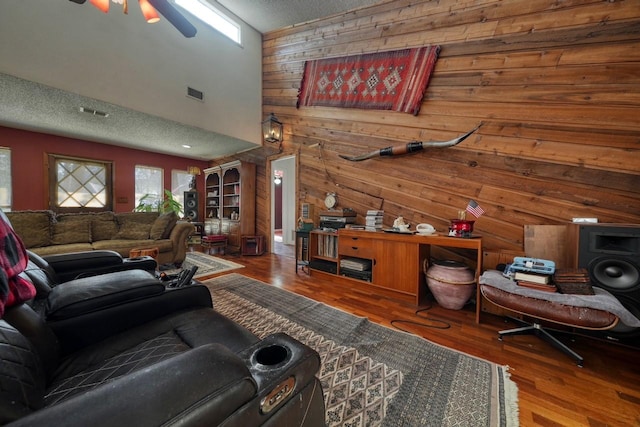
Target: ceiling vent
195 94
94 112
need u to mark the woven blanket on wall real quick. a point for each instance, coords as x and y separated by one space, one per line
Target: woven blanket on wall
395 80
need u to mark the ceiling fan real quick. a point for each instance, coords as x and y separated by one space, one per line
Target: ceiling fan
162 6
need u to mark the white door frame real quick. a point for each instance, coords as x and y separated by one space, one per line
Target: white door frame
289 218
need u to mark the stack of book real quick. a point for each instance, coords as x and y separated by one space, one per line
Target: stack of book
356 264
373 220
573 281
538 281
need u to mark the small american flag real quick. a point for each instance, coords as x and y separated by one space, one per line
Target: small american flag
474 209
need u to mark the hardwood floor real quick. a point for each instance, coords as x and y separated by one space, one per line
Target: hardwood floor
553 390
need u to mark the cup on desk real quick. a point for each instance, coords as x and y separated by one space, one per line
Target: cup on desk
425 229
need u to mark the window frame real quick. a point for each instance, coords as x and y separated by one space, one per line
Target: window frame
160 195
7 174
52 177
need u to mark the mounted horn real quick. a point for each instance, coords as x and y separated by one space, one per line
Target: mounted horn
410 147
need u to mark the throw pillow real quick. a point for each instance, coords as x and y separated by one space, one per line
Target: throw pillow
32 227
72 228
136 223
132 231
103 226
162 226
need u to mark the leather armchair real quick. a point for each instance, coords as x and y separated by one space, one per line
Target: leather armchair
64 267
193 367
120 349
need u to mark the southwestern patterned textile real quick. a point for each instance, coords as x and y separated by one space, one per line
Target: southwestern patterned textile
395 80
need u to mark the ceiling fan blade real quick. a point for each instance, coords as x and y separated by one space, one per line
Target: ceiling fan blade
173 16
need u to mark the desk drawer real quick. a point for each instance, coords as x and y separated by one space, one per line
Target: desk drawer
357 247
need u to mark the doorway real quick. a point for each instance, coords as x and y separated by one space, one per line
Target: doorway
283 205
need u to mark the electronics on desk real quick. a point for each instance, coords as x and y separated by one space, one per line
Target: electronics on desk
360 275
322 265
336 222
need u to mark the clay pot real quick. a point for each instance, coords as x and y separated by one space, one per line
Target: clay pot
452 283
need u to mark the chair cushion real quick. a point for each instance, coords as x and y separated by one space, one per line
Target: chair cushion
143 346
582 317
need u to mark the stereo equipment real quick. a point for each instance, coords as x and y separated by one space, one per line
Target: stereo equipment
611 254
191 205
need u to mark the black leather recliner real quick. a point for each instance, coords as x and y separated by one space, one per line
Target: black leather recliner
61 268
121 349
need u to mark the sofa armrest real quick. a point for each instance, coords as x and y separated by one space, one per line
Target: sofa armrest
84 260
282 367
85 329
202 386
81 296
179 237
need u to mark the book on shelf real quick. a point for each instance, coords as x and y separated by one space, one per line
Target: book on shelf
532 277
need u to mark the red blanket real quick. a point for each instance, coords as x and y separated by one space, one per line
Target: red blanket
13 261
395 80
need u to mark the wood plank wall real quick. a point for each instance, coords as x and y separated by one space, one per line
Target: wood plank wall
555 84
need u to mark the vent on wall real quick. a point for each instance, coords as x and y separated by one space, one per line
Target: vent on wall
195 94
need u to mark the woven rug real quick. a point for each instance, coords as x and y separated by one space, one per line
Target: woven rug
394 80
207 264
373 375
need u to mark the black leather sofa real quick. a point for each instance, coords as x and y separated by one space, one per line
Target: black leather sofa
121 349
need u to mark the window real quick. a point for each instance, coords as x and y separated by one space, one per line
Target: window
149 190
211 16
5 179
79 184
180 182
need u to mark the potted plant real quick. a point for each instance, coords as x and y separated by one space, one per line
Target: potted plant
150 203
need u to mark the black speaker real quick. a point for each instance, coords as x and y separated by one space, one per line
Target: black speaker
191 205
611 254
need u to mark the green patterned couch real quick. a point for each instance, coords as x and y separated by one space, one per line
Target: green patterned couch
45 232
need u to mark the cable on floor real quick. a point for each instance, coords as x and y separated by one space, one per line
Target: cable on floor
436 323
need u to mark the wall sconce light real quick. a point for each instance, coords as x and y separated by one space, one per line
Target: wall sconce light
272 130
193 171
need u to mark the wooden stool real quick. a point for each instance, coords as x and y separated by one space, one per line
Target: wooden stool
143 252
252 245
215 243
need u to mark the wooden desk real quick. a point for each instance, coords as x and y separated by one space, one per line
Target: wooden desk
397 260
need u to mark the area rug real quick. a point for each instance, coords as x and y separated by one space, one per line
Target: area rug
373 375
207 264
394 80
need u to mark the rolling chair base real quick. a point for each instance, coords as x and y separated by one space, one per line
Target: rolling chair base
540 332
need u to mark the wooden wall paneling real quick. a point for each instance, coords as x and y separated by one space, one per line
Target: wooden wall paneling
554 84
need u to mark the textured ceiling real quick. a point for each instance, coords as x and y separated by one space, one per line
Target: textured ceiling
269 15
58 56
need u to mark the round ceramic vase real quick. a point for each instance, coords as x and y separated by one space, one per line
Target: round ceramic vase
452 283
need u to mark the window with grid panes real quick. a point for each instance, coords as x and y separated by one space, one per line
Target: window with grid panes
79 184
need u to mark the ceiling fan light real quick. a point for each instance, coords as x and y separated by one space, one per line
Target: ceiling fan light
103 5
149 12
